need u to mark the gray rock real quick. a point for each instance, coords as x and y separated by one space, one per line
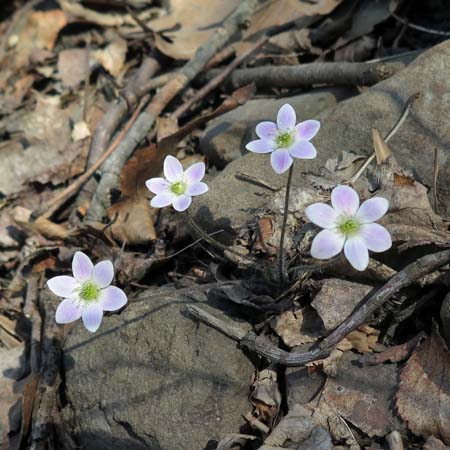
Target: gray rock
225 137
348 126
152 378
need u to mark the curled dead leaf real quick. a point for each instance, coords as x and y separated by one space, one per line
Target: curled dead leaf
423 396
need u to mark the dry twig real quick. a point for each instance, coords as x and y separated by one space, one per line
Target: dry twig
144 123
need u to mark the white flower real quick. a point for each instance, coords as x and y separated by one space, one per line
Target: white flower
88 293
179 186
285 140
349 226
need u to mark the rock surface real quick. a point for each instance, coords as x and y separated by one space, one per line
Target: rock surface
225 138
348 126
152 378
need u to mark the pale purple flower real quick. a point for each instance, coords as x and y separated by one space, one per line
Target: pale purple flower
285 140
88 293
179 186
349 226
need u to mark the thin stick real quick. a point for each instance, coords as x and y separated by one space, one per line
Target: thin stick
406 111
373 301
435 178
281 272
219 79
211 240
48 209
420 28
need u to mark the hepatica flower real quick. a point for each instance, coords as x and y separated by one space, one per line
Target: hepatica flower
349 226
179 186
285 140
88 293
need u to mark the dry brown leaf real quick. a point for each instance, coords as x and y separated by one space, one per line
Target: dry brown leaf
423 397
298 327
337 299
73 65
39 32
266 396
112 57
191 23
382 151
166 126
41 226
132 217
362 395
364 339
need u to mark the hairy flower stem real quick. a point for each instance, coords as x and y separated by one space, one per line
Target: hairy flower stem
210 239
282 273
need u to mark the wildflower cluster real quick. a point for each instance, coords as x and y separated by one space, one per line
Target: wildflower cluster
346 224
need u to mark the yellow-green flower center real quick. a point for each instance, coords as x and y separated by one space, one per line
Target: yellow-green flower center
178 188
89 291
283 139
349 226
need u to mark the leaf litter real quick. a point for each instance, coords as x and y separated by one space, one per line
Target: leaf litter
65 68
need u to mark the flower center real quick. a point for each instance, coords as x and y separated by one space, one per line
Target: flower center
89 291
349 226
283 139
178 188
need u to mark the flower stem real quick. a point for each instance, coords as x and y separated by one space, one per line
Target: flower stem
210 239
282 275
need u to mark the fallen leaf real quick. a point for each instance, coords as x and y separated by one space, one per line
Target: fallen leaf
396 353
73 65
298 327
112 57
423 396
266 396
362 395
190 25
39 32
132 217
337 299
382 151
45 227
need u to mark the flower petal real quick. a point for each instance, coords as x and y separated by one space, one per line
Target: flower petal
376 237
197 188
260 146
92 317
308 129
326 244
162 200
345 200
266 130
372 210
173 170
286 117
355 250
157 185
103 273
322 215
281 160
195 173
81 266
62 286
303 150
67 311
112 298
182 202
